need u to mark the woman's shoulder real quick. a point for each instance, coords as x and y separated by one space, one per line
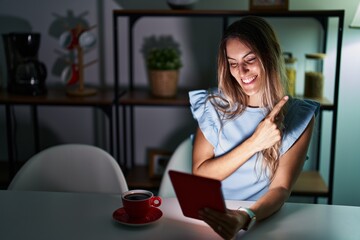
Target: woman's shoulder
298 116
197 97
206 114
300 111
202 94
202 100
302 107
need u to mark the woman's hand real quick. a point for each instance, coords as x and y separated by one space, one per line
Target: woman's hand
267 133
227 225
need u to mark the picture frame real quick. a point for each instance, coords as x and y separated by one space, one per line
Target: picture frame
158 160
269 5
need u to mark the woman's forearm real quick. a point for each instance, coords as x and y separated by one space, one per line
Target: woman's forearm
223 166
270 203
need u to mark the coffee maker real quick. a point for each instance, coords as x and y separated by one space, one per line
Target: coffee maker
25 74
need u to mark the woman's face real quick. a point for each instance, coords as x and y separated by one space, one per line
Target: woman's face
246 68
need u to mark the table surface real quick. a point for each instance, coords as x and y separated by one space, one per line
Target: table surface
50 215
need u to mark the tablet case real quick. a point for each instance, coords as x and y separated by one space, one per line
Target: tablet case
195 193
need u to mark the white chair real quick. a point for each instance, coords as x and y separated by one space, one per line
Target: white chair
71 168
181 160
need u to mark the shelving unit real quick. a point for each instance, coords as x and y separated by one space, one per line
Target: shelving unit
104 100
309 183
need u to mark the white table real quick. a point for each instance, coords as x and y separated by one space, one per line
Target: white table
49 215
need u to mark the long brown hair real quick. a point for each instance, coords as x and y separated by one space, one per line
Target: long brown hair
259 36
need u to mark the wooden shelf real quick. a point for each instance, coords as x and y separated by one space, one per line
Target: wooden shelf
58 96
310 183
222 13
55 96
144 97
325 103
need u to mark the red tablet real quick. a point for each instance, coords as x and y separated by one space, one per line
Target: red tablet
195 193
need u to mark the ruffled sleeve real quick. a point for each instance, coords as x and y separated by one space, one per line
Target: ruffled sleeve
206 115
299 115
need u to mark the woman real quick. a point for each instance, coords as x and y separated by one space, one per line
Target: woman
251 136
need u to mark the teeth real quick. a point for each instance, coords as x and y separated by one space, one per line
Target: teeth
248 80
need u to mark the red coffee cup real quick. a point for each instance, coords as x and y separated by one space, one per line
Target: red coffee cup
137 203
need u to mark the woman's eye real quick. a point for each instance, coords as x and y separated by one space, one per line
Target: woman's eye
233 65
251 59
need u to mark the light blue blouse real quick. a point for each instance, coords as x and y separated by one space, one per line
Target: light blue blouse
248 182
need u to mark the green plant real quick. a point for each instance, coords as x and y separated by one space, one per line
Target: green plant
163 59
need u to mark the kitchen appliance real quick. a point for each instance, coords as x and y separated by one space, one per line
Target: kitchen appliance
26 75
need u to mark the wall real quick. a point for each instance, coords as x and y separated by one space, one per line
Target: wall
89 126
57 124
348 133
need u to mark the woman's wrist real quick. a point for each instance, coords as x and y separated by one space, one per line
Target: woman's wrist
249 217
250 145
244 219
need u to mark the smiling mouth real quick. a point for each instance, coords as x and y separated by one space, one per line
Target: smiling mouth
248 80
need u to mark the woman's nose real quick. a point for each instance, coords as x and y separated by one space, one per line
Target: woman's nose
242 69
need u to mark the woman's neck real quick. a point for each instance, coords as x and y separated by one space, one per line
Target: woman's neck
254 101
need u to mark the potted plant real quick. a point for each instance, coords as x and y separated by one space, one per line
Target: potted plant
163 66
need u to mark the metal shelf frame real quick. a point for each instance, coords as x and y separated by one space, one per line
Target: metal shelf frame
134 15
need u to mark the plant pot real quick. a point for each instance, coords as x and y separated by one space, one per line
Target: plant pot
163 83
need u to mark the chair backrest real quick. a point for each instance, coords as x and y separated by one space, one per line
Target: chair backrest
71 168
181 160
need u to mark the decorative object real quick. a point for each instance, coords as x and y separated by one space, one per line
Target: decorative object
269 5
314 78
181 4
163 66
290 62
163 83
158 159
77 39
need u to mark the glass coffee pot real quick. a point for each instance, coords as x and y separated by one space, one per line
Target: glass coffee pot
26 74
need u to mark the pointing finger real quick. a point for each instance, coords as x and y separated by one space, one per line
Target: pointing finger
277 108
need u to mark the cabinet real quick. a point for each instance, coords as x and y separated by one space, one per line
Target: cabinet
310 183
